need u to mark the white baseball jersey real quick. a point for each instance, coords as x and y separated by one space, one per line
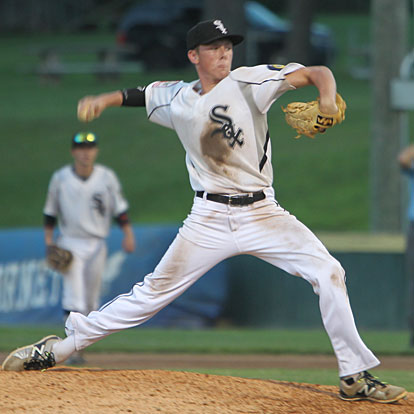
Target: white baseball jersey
85 207
224 131
225 135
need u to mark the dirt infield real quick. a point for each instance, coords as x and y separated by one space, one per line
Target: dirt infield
134 383
82 390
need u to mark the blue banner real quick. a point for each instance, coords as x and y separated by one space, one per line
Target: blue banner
30 292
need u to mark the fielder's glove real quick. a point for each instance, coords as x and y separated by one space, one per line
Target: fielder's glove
58 259
308 120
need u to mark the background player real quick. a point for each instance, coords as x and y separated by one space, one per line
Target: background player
84 198
222 123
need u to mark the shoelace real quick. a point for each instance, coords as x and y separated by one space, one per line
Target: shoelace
39 362
371 380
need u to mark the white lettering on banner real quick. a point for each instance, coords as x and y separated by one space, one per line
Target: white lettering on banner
28 285
40 291
54 296
24 293
8 285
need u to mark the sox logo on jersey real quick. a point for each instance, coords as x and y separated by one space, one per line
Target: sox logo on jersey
227 126
98 203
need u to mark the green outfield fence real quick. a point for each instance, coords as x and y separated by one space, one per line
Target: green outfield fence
264 296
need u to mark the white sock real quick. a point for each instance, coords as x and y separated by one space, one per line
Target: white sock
62 350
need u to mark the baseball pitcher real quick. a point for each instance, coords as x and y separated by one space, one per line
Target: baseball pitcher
221 121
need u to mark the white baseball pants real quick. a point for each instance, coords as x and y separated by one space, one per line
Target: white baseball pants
213 232
82 282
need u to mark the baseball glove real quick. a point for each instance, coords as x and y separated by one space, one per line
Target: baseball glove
58 259
308 120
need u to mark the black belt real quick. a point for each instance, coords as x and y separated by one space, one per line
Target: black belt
242 200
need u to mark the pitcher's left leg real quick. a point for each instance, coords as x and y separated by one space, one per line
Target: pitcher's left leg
280 239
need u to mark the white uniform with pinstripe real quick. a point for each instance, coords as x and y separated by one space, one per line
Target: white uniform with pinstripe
228 150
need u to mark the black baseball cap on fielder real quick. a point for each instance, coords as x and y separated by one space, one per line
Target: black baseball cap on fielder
84 139
209 31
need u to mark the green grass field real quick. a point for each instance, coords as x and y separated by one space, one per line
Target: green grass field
234 341
313 178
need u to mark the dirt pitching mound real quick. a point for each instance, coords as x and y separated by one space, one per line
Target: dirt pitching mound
82 390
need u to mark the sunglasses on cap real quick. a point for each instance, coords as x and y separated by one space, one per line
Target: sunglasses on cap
84 138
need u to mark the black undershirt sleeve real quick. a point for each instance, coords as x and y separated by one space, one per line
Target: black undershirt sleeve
133 96
49 221
122 219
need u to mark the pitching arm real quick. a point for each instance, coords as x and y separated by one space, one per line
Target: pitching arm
91 107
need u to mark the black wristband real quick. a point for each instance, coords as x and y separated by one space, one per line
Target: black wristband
122 219
134 96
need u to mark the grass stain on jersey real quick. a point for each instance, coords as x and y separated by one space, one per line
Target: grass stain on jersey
215 148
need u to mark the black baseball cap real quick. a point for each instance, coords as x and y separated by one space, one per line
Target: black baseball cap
209 31
84 139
